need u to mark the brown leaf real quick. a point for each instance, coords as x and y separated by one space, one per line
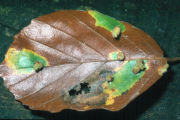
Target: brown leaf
61 61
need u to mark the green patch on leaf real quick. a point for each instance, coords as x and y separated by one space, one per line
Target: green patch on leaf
22 61
113 55
106 22
123 80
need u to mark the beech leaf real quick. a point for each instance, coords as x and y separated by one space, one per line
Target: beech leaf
81 60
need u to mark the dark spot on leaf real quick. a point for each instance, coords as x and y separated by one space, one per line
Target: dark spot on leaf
124 93
38 66
90 92
109 78
155 62
113 90
72 92
78 90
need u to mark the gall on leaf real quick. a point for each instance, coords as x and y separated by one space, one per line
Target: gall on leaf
81 60
116 32
38 66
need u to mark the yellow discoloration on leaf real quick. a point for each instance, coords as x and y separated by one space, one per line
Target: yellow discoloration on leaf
124 79
86 107
109 91
22 61
116 32
163 69
9 56
113 55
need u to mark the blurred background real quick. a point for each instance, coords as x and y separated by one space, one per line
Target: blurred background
159 18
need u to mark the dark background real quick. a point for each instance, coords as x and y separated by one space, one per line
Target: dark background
159 18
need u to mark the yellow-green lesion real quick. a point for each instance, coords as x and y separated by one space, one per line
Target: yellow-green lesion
123 80
22 61
163 69
106 22
113 55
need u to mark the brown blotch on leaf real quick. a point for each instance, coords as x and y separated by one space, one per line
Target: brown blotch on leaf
90 91
155 62
120 56
94 100
138 66
38 66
